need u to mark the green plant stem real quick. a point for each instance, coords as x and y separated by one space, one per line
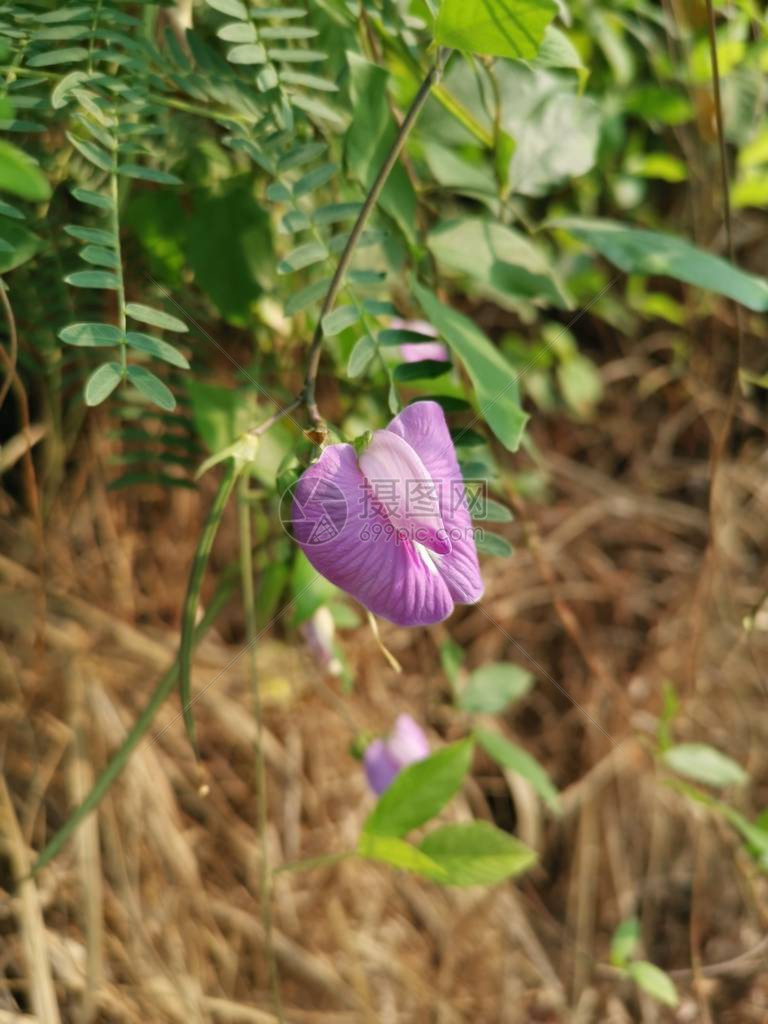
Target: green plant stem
204 545
140 727
249 611
115 222
315 348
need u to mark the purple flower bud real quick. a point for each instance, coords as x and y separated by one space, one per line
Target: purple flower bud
385 758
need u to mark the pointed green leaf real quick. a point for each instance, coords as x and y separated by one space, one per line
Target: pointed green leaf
149 174
654 981
98 256
492 544
625 941
102 383
399 854
93 154
477 853
360 356
494 379
301 257
151 387
155 317
91 198
702 763
301 299
156 347
509 755
314 179
66 55
97 236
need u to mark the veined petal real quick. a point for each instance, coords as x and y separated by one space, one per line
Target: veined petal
402 484
349 540
423 426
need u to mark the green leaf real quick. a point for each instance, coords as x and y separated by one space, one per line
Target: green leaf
477 853
637 251
233 8
493 377
499 262
663 166
490 688
399 854
492 544
499 28
23 245
149 174
316 178
303 256
151 387
306 296
96 236
93 154
8 210
510 755
424 369
155 317
92 279
702 763
624 941
91 335
20 175
557 51
102 383
421 791
339 319
369 139
98 256
493 512
156 347
91 198
65 55
248 53
360 356
580 383
238 32
654 981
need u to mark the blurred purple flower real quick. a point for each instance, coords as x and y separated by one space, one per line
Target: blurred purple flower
392 526
384 759
414 352
319 632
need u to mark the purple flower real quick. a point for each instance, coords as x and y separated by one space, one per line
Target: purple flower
384 759
414 352
319 632
392 527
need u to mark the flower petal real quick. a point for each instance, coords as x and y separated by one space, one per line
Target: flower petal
401 483
415 351
380 767
423 426
349 540
407 742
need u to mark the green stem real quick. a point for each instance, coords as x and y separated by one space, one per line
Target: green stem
115 222
315 348
204 545
249 611
142 724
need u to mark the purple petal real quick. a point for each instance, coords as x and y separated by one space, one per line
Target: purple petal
417 326
423 426
402 484
407 742
380 768
415 351
349 539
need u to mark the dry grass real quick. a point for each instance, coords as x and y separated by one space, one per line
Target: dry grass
152 913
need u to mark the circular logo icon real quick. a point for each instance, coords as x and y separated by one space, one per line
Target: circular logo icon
314 514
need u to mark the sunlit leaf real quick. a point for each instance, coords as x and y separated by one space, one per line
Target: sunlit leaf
102 383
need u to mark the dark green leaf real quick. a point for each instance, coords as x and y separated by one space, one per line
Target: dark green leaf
149 174
424 369
96 236
87 195
98 256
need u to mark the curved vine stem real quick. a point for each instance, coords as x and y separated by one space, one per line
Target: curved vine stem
315 348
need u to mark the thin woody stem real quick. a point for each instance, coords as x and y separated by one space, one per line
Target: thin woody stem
315 349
